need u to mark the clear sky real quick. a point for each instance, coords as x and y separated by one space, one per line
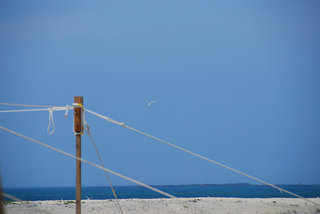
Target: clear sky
236 81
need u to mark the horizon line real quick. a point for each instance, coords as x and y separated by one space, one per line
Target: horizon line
223 184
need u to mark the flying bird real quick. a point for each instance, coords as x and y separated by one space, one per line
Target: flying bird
149 103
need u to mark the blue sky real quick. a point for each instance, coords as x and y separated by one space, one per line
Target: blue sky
236 81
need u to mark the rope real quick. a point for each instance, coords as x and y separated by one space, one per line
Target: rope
101 162
51 122
56 108
87 162
10 197
51 109
197 155
106 118
23 110
26 105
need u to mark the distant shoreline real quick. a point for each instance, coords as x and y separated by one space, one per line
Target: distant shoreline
237 190
168 185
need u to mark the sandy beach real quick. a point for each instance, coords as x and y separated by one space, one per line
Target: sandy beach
178 205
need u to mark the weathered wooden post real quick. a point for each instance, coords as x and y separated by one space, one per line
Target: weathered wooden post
78 129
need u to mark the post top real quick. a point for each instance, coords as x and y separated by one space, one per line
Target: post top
77 99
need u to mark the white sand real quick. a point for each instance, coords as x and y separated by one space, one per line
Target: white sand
179 205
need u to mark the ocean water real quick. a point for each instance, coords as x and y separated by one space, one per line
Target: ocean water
226 190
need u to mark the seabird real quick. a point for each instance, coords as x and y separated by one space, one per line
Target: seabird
150 102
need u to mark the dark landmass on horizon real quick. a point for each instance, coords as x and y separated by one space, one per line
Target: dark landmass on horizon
170 185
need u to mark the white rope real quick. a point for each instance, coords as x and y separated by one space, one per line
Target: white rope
106 118
51 121
26 105
55 108
10 197
88 162
197 155
67 110
23 110
101 162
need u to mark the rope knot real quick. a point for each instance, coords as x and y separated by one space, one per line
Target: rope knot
68 107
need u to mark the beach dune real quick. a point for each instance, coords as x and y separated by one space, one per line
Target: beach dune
168 206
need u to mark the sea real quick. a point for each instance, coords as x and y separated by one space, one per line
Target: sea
203 190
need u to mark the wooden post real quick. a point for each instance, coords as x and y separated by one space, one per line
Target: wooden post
78 130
